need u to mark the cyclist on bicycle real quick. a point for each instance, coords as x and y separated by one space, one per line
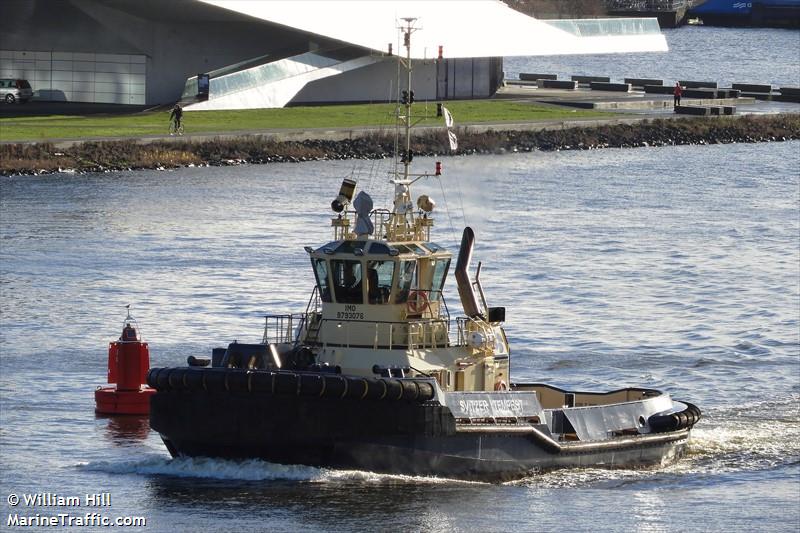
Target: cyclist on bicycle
175 117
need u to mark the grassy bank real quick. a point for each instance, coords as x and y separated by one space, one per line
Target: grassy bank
44 128
123 155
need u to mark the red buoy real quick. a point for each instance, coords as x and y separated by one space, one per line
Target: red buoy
128 364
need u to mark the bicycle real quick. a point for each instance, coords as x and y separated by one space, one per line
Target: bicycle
175 127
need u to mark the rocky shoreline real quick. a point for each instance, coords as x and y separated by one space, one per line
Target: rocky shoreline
44 158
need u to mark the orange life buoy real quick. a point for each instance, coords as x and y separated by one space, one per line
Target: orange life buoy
500 385
417 302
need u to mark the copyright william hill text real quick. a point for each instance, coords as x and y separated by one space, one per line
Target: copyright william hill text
70 516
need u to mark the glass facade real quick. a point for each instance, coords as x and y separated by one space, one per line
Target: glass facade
267 73
607 27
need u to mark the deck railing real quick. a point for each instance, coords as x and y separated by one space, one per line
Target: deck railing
282 329
344 226
430 329
286 328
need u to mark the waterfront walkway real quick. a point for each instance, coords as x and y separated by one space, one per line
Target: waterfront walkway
623 108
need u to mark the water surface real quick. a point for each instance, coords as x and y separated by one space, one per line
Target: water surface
724 55
675 268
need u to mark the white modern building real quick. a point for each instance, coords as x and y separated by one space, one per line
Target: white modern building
235 54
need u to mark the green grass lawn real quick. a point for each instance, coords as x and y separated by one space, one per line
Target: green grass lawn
41 128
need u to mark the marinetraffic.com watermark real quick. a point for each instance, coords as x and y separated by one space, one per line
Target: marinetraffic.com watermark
48 509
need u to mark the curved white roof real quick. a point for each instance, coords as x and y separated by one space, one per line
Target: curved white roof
477 28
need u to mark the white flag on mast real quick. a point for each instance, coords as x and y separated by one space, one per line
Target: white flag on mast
448 118
448 122
453 140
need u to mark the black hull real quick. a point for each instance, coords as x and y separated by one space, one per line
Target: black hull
389 437
492 458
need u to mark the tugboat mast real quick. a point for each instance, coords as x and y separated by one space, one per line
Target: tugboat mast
402 225
407 96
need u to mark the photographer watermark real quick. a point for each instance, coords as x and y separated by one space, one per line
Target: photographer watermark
52 499
25 503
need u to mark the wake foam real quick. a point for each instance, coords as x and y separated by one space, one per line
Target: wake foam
247 470
750 437
206 468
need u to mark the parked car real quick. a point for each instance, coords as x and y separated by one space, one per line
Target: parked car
12 90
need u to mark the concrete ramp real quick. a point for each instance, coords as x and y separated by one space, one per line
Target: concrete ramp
268 84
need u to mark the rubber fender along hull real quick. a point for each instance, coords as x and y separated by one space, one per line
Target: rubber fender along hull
400 437
289 383
685 419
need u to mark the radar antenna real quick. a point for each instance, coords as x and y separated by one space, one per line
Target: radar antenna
363 205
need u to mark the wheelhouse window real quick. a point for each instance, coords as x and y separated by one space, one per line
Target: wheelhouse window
348 247
321 273
378 248
439 275
419 250
406 279
432 246
379 281
347 281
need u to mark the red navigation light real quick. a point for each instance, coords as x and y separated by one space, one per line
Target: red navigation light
441 51
438 168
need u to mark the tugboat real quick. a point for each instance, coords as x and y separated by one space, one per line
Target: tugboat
375 375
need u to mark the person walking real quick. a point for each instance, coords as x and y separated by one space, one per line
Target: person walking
175 117
677 94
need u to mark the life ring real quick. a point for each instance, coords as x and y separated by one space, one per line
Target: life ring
500 385
417 302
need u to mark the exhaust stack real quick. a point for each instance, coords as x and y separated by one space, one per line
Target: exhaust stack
468 299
